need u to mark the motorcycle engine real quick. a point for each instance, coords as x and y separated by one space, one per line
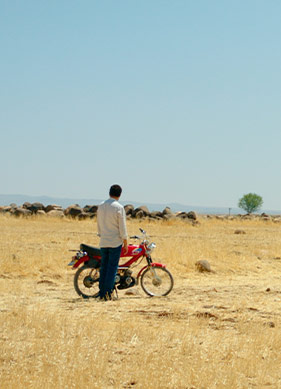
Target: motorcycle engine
125 280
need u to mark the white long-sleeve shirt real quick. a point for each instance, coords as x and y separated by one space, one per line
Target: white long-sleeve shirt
111 220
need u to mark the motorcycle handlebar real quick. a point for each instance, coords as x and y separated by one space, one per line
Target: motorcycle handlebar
138 237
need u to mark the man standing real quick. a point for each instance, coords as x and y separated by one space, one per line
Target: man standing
111 219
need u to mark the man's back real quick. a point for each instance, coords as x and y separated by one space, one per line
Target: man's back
111 223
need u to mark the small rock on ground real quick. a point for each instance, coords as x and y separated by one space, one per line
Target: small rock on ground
203 265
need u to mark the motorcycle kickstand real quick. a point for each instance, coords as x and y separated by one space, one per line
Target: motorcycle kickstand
116 291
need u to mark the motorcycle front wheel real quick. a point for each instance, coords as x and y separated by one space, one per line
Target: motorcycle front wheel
157 281
86 281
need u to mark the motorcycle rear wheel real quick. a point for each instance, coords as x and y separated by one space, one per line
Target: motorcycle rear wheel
86 281
157 281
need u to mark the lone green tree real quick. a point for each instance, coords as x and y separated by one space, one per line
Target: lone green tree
250 202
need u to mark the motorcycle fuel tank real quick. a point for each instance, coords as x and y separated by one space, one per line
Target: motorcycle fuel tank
133 250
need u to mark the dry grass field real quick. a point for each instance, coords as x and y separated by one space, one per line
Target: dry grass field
214 330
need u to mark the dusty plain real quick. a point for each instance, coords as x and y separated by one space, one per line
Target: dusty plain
214 330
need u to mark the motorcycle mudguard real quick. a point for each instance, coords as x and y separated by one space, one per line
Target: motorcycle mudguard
92 261
154 264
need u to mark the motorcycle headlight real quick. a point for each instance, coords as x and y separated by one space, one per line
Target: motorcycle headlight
151 247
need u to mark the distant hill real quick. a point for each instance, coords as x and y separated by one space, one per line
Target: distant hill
19 199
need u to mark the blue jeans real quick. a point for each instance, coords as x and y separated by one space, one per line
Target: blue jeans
109 263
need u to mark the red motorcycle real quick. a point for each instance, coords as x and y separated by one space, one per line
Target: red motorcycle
154 278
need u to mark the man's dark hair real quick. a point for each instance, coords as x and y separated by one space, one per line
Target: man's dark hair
115 191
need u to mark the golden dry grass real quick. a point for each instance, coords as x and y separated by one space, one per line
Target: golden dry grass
215 330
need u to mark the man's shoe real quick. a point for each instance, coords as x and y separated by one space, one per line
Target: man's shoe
100 299
107 297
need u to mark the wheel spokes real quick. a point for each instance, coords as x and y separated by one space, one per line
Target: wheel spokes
157 281
88 282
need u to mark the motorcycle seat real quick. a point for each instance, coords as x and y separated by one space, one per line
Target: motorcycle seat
90 250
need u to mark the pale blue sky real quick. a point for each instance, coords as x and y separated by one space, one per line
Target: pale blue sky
177 101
